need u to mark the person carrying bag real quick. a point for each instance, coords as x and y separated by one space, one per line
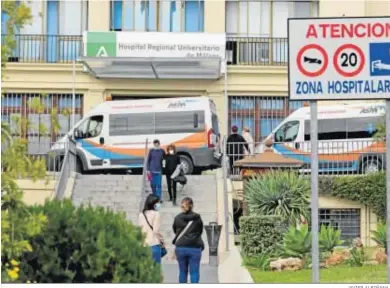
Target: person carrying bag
188 228
149 222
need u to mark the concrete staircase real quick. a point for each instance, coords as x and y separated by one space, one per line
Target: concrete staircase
122 193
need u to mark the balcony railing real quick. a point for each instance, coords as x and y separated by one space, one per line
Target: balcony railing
256 51
240 50
46 48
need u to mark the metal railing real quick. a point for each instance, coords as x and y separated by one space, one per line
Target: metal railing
68 167
264 51
144 184
241 50
346 157
46 48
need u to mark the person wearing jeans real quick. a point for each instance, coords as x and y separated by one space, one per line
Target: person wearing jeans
154 167
189 245
149 221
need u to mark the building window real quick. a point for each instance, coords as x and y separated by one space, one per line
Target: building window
64 18
257 30
153 15
345 220
260 114
41 131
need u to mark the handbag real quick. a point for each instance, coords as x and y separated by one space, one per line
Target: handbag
163 249
178 237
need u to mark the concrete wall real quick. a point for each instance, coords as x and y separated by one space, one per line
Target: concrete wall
340 8
368 219
36 192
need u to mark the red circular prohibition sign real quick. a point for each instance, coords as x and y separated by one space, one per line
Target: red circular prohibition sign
358 69
299 60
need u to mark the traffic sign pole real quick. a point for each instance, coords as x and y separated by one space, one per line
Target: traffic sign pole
387 123
315 253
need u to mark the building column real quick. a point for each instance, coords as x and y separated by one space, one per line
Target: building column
347 8
92 99
214 16
99 15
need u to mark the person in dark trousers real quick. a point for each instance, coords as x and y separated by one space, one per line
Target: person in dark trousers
154 166
236 146
190 245
172 160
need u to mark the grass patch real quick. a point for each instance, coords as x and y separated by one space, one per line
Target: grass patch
340 274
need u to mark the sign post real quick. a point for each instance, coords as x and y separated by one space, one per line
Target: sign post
338 59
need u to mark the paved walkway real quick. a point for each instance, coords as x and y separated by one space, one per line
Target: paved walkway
208 274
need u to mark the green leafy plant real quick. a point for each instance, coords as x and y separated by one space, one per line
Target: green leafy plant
356 258
19 14
87 245
379 236
261 261
329 238
260 234
369 189
281 193
297 243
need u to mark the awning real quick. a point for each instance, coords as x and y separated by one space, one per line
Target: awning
153 68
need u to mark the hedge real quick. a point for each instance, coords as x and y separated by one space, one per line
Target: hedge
87 245
260 234
369 189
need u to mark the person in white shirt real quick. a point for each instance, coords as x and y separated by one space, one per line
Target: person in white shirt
149 221
248 138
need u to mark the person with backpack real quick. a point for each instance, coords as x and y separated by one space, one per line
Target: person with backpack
188 229
155 166
172 161
149 221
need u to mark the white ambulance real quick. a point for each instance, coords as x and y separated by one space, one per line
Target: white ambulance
112 136
345 134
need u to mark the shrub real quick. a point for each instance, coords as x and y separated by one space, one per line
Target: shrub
329 238
281 193
297 242
260 261
87 245
369 189
357 257
259 234
379 236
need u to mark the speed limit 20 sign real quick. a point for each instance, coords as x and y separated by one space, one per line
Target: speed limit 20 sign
339 58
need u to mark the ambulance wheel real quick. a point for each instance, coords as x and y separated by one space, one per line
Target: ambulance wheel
188 166
371 165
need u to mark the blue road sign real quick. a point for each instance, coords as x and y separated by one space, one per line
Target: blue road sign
380 59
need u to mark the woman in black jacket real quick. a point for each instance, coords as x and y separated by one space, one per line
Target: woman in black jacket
189 245
172 160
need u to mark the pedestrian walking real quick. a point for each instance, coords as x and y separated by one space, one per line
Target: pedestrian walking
154 167
188 229
172 161
149 221
246 134
236 146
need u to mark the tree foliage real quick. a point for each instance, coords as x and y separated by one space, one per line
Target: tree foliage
18 15
17 223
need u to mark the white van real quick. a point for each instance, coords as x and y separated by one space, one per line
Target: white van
113 135
345 134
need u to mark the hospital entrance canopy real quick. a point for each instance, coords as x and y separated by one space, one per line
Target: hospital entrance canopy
154 55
